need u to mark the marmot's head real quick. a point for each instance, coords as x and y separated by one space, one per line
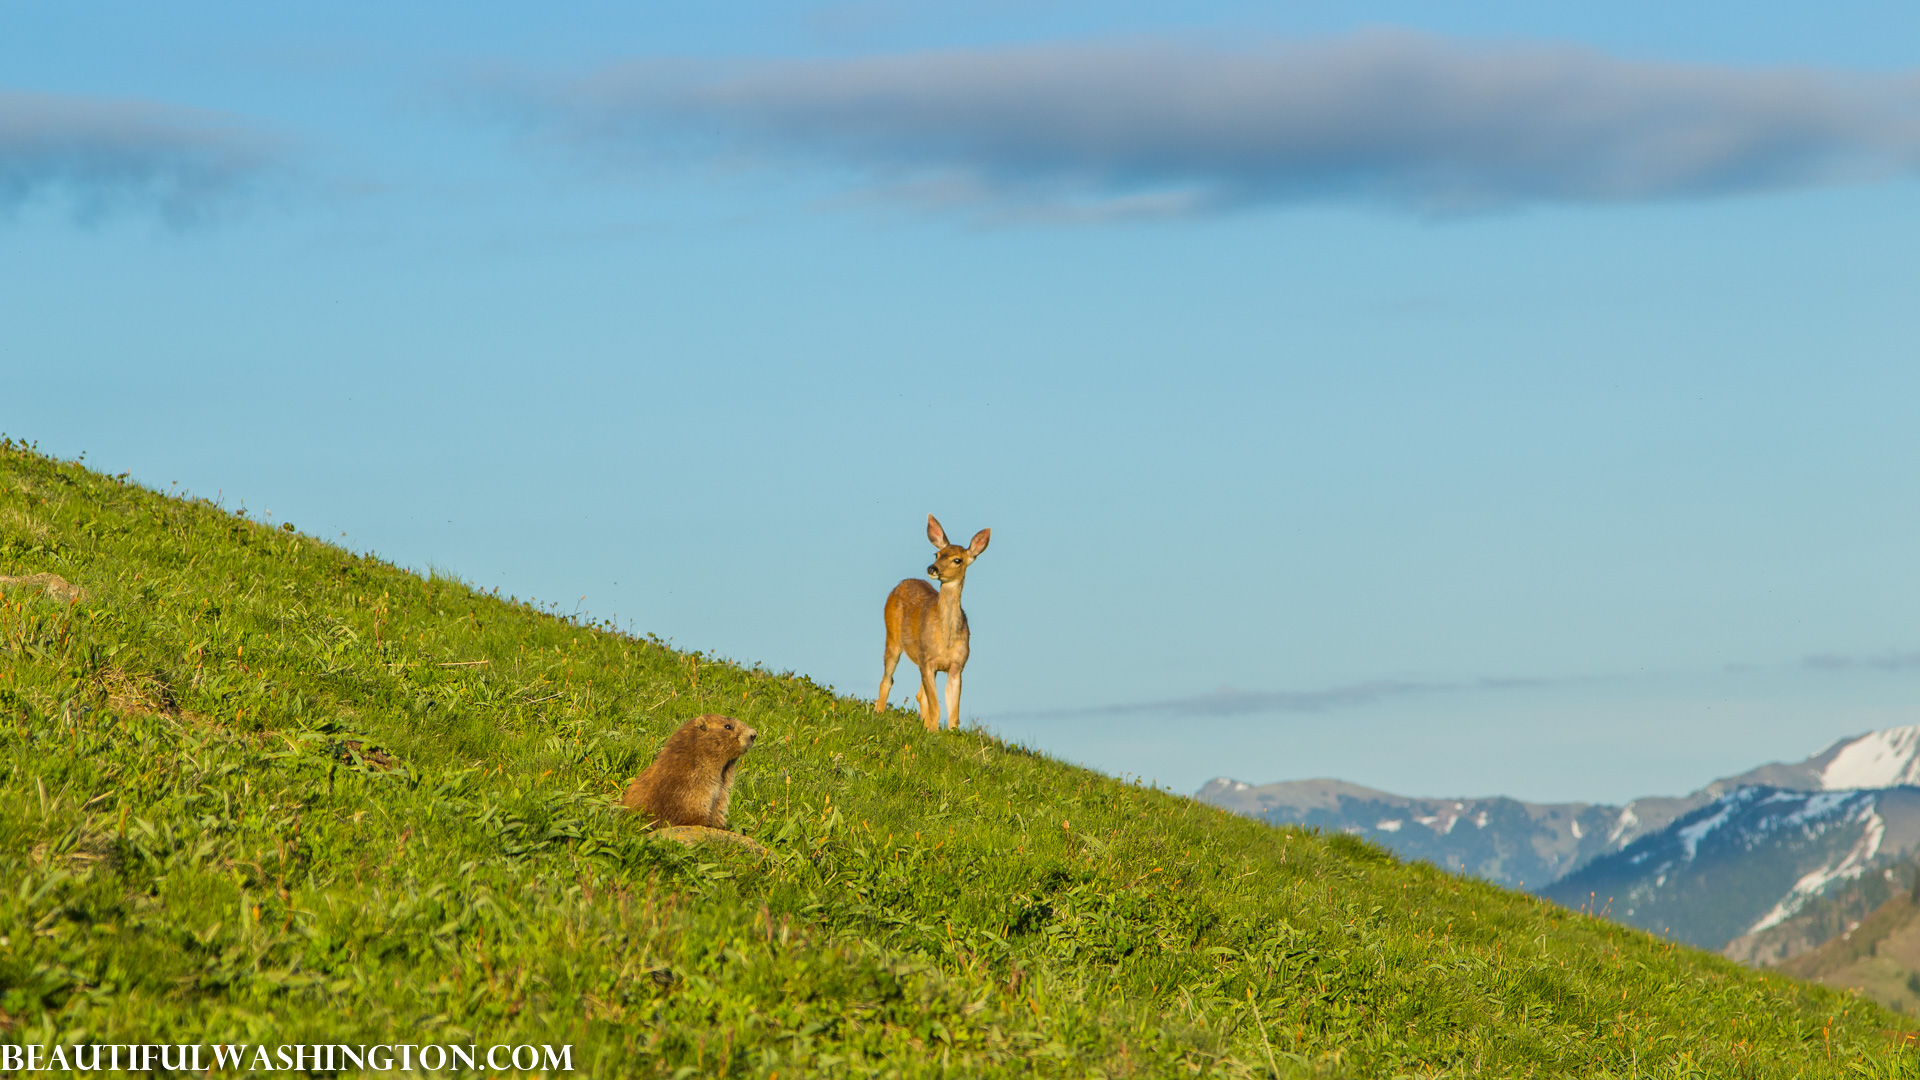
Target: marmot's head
726 732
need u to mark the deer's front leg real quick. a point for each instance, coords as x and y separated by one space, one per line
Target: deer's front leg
953 698
929 700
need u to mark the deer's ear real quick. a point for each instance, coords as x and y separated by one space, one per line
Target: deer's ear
935 533
979 542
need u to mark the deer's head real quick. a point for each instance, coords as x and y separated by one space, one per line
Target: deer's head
952 560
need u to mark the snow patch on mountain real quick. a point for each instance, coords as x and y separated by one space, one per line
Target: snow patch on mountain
1879 759
1855 863
1691 836
1815 807
1627 821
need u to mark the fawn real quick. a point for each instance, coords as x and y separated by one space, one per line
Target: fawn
929 625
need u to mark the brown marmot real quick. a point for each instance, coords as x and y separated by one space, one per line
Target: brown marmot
691 780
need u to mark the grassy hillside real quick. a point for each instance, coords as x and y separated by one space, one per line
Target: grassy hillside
254 788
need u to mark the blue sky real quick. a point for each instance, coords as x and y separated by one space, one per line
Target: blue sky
1515 399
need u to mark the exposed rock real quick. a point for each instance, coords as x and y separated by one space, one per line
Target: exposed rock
53 585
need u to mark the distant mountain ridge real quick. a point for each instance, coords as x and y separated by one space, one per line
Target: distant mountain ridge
1514 843
1706 867
1747 861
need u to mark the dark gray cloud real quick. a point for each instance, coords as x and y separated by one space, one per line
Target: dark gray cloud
1412 120
100 156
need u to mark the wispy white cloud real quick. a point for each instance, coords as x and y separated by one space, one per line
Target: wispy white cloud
1231 702
1893 661
100 155
1417 121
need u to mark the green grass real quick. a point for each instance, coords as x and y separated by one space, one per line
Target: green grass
200 842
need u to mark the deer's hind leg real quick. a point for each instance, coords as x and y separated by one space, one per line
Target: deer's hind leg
887 667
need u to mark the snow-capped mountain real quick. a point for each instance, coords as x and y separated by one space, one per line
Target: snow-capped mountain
1532 845
1880 759
1747 861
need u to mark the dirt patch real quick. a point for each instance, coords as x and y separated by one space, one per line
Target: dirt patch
132 693
53 585
348 751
